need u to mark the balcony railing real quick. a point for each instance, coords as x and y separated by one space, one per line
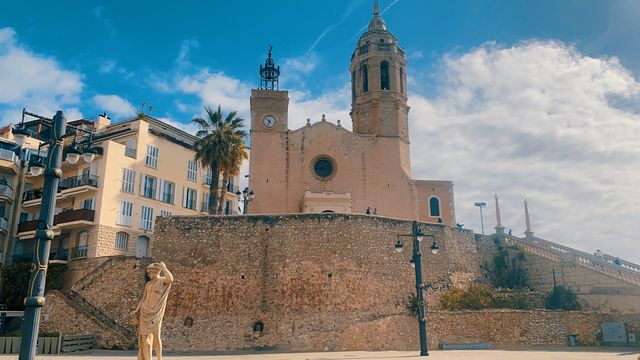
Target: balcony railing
79 252
6 191
7 155
4 224
62 218
77 181
130 152
58 254
68 183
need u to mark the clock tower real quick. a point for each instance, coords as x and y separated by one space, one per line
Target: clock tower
269 105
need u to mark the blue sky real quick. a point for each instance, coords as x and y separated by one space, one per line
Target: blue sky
536 99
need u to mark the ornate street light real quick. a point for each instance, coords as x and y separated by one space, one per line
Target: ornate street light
58 131
246 197
416 261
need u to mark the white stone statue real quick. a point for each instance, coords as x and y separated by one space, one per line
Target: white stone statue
151 310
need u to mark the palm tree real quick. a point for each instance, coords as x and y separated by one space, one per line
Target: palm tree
231 167
220 146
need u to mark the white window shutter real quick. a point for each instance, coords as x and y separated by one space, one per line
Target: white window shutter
197 200
184 196
141 184
159 189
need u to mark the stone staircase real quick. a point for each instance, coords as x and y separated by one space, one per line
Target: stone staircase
626 271
82 304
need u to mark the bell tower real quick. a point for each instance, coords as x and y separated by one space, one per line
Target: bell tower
378 83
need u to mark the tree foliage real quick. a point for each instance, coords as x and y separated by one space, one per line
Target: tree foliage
508 268
220 147
562 298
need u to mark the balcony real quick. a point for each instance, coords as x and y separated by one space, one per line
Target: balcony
78 252
6 192
69 219
67 187
130 152
7 159
4 224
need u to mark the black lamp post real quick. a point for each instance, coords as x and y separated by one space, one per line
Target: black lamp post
44 230
246 197
416 261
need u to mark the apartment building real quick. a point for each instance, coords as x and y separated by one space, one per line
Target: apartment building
108 207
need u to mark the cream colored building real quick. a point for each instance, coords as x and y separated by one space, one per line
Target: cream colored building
323 167
108 207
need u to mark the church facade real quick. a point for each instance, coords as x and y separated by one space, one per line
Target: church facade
322 167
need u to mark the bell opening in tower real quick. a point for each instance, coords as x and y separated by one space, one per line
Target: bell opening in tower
269 73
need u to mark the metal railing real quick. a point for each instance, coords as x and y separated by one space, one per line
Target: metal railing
79 251
620 269
68 183
6 191
77 181
64 217
7 155
58 254
130 152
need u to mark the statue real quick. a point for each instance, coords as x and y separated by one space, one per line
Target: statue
151 309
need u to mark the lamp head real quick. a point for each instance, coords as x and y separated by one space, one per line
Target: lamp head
251 195
20 135
88 155
73 154
399 246
36 169
434 248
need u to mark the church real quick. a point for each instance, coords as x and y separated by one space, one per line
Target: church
325 168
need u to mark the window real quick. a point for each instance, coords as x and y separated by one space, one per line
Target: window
128 180
125 213
122 240
434 207
189 198
148 186
384 75
192 171
365 77
323 167
165 213
205 202
401 82
152 156
168 190
353 85
130 148
83 245
146 217
88 204
209 177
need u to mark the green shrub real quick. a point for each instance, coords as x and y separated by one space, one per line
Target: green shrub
15 281
412 305
475 297
508 268
562 298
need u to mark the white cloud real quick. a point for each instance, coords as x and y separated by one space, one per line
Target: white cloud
217 88
114 105
36 82
537 120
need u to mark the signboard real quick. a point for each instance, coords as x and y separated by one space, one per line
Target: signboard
614 332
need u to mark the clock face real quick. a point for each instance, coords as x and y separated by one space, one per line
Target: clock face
269 121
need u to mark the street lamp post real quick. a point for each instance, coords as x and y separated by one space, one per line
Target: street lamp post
246 197
44 231
481 204
416 260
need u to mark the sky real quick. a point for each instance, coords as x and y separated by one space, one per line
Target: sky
524 99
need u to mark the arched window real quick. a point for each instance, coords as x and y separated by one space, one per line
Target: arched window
353 85
434 207
83 245
401 82
142 246
365 77
384 75
122 240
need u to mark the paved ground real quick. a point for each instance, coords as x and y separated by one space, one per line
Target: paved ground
560 354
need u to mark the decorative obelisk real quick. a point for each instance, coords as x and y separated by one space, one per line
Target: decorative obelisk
499 227
528 233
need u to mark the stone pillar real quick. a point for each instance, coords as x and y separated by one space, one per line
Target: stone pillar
528 233
499 227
